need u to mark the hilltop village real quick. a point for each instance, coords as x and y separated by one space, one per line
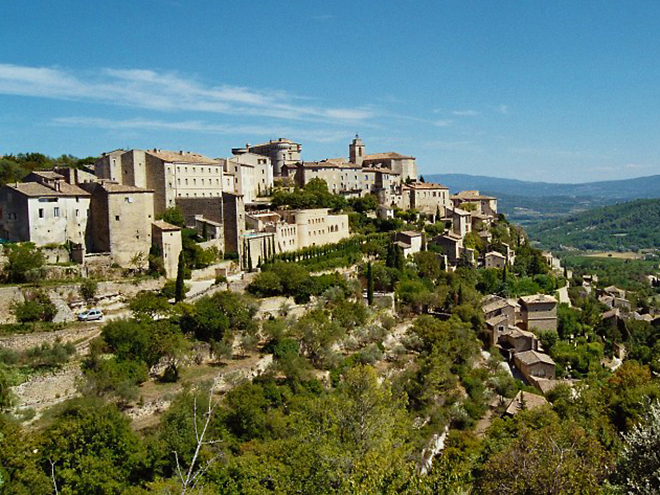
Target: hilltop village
348 326
112 211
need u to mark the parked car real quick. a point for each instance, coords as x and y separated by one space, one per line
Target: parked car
90 315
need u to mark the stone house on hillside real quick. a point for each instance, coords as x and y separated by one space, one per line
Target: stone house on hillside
494 259
119 221
410 241
44 209
538 311
167 239
534 364
425 197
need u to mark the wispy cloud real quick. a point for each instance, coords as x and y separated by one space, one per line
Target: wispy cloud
465 113
168 92
199 126
443 123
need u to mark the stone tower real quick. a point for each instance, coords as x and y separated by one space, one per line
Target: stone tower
356 151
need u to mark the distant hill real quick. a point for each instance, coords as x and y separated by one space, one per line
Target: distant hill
625 227
528 203
613 190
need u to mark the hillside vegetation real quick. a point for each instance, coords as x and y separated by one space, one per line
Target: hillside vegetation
622 227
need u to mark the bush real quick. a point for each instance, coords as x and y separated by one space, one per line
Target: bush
50 356
36 307
169 289
24 263
88 289
221 349
286 348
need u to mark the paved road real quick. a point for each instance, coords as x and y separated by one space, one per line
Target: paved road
563 295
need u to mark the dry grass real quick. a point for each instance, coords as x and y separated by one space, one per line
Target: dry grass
626 255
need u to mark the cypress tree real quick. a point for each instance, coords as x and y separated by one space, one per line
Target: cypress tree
370 285
179 288
398 252
249 258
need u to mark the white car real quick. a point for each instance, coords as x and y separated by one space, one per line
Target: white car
90 315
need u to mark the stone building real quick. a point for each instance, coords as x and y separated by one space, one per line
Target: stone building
356 151
253 173
281 152
500 316
120 221
494 259
233 221
538 311
169 174
44 209
341 177
410 241
227 210
427 198
258 248
167 239
450 245
297 229
485 205
404 166
461 221
516 340
533 364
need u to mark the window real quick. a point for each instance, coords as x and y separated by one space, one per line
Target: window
116 218
41 212
128 199
77 212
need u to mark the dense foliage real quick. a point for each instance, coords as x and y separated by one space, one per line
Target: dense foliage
622 227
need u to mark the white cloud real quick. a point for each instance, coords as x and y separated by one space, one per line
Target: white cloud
465 113
443 123
167 92
316 135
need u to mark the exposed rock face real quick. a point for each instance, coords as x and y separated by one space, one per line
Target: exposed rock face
64 313
227 381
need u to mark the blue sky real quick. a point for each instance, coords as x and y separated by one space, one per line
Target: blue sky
563 91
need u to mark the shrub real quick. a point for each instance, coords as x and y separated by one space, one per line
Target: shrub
24 263
88 289
286 348
36 307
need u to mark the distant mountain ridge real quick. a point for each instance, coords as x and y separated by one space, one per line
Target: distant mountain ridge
610 191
